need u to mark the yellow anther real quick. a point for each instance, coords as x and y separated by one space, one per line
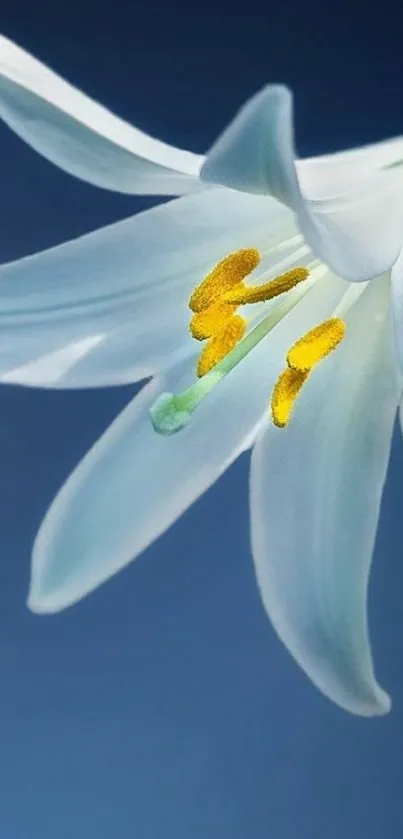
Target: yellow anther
285 392
316 344
241 294
221 344
301 358
206 323
228 273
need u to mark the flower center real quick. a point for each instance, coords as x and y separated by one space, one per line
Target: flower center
215 319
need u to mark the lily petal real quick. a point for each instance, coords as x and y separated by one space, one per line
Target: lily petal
397 306
382 155
316 490
134 483
84 138
341 207
115 301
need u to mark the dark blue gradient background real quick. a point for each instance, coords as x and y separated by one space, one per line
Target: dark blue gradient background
163 706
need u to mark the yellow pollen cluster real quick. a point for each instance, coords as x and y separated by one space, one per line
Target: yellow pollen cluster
285 392
241 294
208 322
316 344
228 273
215 301
213 317
303 356
221 344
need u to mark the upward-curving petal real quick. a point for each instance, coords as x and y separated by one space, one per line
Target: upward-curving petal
382 155
316 490
350 211
84 138
111 306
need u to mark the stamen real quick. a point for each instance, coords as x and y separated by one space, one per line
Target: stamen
316 344
285 392
301 359
240 295
221 344
228 273
172 412
211 320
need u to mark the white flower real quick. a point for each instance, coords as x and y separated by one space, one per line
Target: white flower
112 307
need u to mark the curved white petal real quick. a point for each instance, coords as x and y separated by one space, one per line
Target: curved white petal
84 138
351 214
115 301
397 306
381 155
316 489
134 482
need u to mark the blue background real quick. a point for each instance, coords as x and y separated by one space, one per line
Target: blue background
163 706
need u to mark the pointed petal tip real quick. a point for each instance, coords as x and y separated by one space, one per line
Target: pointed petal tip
39 607
379 707
382 704
370 701
246 155
47 602
339 205
50 588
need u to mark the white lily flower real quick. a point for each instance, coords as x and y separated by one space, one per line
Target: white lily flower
113 307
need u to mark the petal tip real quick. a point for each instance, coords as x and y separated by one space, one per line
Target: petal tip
255 152
47 596
42 603
381 705
363 699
